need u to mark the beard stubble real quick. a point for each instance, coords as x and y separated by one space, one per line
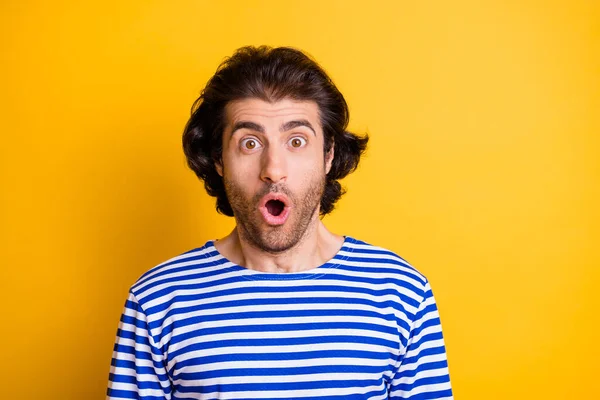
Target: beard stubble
275 239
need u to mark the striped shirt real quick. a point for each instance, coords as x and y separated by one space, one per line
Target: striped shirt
364 325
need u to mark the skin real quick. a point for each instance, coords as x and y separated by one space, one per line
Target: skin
276 147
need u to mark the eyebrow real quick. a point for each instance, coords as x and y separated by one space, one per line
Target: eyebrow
296 123
247 125
261 129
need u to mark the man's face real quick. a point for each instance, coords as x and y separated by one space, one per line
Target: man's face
274 169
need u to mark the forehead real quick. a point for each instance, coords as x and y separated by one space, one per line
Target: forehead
280 111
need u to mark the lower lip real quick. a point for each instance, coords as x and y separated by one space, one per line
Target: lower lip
275 220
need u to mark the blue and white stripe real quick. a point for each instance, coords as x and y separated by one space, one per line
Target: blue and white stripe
362 326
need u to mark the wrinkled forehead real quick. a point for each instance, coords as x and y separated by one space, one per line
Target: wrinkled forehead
275 113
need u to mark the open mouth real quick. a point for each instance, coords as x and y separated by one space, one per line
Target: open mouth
275 207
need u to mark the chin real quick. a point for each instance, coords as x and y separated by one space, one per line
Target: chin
273 242
274 239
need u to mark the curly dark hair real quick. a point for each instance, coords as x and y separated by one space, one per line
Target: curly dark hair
269 74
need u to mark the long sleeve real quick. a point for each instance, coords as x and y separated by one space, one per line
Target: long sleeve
137 369
422 371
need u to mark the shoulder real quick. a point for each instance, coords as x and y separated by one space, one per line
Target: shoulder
384 262
176 271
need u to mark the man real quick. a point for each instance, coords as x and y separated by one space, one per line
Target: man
281 308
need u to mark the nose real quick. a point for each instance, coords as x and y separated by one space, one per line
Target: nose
274 165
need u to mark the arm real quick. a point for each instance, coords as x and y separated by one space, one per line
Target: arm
137 369
422 371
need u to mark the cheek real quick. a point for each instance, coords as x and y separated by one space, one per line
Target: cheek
309 171
311 163
243 175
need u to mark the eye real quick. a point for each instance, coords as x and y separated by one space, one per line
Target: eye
249 144
297 142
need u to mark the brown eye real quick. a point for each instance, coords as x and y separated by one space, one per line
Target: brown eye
297 142
250 144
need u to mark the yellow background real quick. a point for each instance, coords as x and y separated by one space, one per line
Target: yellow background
483 171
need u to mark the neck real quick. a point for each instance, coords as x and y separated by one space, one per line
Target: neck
315 248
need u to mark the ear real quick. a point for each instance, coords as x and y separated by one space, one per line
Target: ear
219 168
329 158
